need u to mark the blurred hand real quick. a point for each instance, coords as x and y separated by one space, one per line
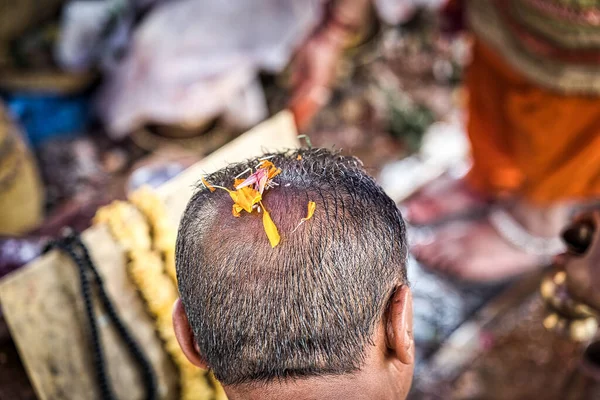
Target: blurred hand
313 72
583 272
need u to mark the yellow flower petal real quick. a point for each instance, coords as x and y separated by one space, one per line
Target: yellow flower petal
270 228
311 210
246 198
236 210
208 185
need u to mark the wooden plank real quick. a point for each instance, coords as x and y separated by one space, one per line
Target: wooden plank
44 310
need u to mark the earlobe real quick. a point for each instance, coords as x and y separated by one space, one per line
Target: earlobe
185 336
399 326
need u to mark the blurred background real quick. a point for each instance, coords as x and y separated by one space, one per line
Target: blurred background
99 98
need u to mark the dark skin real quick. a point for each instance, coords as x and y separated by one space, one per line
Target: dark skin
386 374
314 66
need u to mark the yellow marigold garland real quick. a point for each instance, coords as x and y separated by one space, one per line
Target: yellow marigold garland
163 234
149 240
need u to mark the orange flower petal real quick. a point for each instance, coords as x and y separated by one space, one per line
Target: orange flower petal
298 157
235 210
246 198
237 181
208 185
273 172
266 164
311 210
270 228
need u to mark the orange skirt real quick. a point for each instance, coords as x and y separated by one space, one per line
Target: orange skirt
529 141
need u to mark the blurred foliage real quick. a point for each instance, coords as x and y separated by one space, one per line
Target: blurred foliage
409 121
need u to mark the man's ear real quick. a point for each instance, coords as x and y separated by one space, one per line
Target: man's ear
185 336
399 326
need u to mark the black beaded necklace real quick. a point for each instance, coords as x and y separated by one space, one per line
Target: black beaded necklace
89 277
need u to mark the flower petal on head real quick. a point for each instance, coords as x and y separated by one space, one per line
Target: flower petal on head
249 192
261 178
270 228
251 180
311 210
272 170
236 209
246 198
208 185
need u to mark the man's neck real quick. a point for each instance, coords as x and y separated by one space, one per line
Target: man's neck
349 387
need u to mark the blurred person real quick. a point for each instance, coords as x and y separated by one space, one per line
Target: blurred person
326 314
533 123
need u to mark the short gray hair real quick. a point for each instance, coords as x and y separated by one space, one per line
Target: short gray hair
309 306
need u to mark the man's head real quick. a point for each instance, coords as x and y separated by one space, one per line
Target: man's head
329 304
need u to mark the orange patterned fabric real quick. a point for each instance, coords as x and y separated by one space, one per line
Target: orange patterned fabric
548 48
528 140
